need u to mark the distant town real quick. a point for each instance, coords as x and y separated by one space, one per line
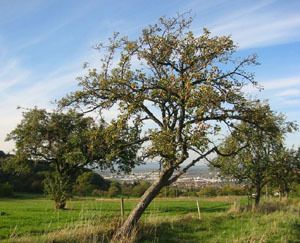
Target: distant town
196 177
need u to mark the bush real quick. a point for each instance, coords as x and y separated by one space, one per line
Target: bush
173 191
140 188
99 193
36 186
295 192
227 190
88 182
6 190
210 191
114 189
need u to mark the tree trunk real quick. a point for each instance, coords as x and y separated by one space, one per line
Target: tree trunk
286 190
60 204
257 196
123 233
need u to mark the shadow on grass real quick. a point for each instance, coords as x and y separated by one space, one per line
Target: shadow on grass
27 196
185 210
2 213
188 229
296 230
219 208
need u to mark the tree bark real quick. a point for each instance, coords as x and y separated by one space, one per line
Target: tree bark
257 195
123 233
60 204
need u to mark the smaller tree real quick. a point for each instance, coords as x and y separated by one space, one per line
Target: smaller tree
68 142
58 187
254 163
286 170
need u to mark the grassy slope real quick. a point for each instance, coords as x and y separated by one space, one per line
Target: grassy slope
167 220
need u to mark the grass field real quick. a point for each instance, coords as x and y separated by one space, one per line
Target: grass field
33 219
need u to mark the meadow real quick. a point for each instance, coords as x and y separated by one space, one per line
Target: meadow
34 219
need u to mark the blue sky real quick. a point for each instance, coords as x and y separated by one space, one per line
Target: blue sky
43 45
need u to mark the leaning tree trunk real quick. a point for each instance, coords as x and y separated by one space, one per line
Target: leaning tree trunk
123 233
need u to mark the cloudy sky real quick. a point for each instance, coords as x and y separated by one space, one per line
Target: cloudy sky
43 45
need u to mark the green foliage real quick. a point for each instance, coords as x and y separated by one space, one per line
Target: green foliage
210 191
6 190
286 170
89 183
114 189
295 192
224 190
227 190
257 162
30 181
61 139
68 142
139 188
58 188
172 191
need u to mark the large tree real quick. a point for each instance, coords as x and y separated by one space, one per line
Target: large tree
182 89
261 159
68 142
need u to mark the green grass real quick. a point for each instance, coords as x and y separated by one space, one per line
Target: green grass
26 219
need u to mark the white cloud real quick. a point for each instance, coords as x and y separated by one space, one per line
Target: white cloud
39 93
11 74
290 92
276 84
292 102
281 83
255 27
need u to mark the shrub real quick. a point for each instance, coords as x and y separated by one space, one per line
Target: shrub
210 191
127 189
6 190
114 189
88 182
140 188
295 191
227 190
99 193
